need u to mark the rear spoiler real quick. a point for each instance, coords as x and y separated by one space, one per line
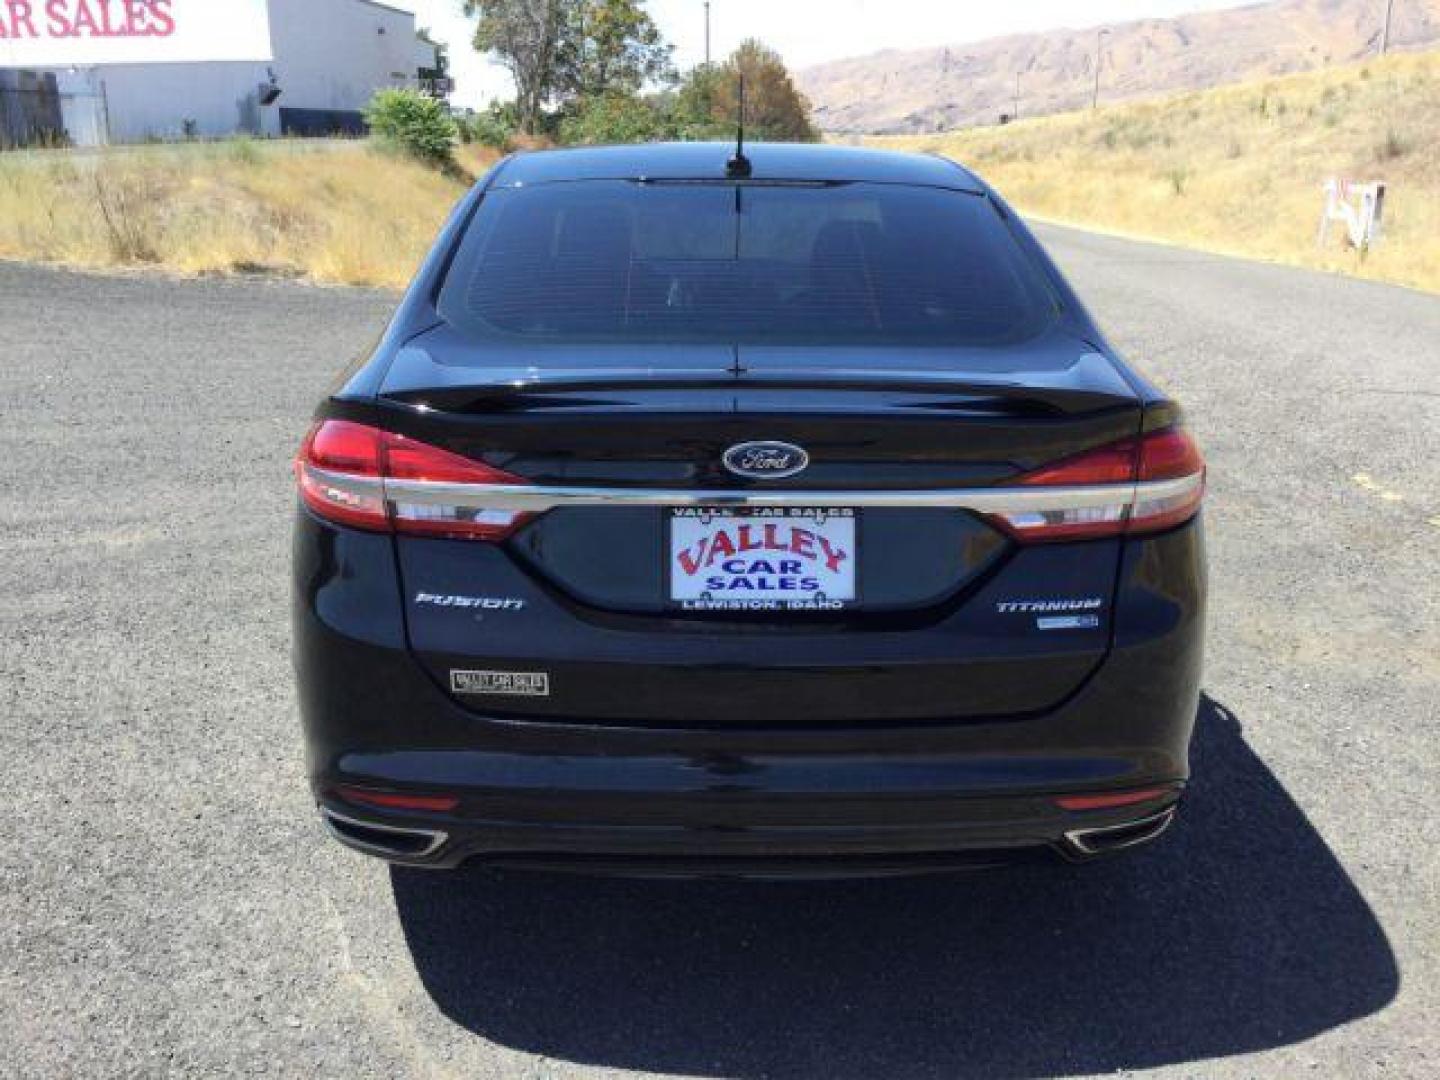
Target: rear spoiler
943 393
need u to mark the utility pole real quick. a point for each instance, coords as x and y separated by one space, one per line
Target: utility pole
1385 30
1099 59
707 33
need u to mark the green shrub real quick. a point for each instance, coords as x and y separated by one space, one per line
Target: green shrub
413 124
495 127
613 118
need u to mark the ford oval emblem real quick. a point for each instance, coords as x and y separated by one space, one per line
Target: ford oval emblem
765 460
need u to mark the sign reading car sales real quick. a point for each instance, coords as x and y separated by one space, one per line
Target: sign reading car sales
84 33
762 559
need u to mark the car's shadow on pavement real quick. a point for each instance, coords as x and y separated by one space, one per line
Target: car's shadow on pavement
1237 931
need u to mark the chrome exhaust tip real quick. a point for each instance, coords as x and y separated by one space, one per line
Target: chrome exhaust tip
386 841
1107 838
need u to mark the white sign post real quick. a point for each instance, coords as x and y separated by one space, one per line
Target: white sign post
1360 207
86 33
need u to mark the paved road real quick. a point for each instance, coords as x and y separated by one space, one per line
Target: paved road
167 902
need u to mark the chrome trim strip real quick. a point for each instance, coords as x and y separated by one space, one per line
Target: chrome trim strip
1010 500
329 817
1079 838
359 486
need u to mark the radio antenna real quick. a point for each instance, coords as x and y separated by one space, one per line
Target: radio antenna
739 164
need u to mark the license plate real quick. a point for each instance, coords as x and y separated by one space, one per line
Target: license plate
786 558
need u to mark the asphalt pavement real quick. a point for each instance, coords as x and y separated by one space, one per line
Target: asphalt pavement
169 904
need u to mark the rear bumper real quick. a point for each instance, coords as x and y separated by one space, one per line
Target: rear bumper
703 839
869 803
806 811
807 802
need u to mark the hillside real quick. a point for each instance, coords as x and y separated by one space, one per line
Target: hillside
939 89
1237 169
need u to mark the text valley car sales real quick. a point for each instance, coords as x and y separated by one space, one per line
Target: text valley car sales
86 18
66 33
765 559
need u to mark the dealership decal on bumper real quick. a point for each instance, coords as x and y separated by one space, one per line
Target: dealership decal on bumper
511 683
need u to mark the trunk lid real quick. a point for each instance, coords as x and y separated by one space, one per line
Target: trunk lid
948 617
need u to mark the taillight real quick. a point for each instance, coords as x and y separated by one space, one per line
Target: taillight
342 469
1167 457
1109 799
394 800
338 471
1128 487
419 464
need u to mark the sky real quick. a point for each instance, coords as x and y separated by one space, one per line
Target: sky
807 32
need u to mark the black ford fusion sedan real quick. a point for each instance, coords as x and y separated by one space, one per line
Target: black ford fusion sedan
770 515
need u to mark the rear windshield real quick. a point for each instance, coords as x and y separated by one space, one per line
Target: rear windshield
617 260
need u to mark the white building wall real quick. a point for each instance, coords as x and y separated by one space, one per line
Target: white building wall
330 55
334 54
154 101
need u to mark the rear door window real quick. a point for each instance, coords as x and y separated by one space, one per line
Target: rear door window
810 264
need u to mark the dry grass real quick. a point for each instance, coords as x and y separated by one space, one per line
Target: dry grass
1239 168
348 215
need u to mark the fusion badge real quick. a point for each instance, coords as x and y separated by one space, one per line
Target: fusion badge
480 603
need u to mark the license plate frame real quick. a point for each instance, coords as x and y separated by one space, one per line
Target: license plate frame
839 527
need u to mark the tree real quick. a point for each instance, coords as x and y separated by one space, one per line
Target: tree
613 47
708 103
774 108
565 51
528 37
696 112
